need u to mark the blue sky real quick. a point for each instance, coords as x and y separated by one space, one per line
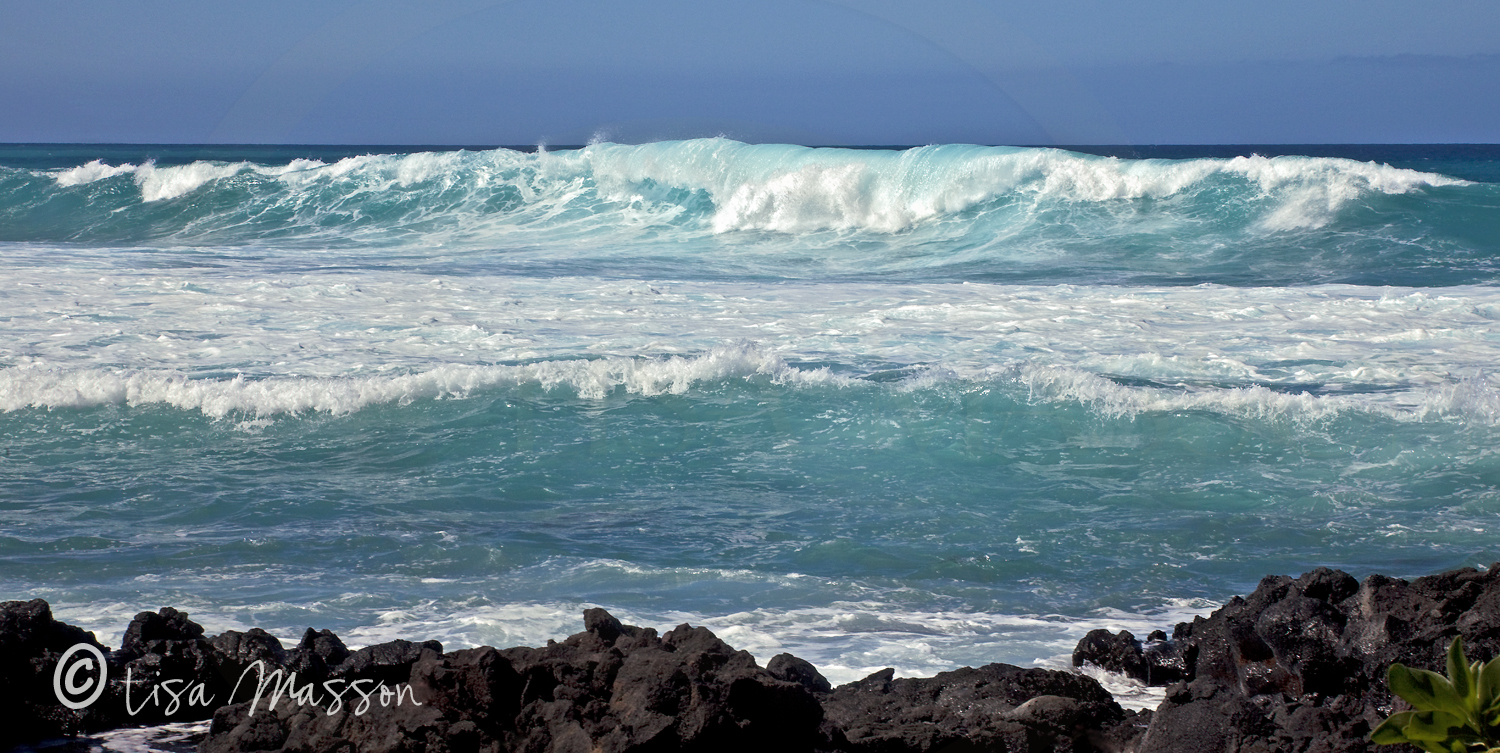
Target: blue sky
827 72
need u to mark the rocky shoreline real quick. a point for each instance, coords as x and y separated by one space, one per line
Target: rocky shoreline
1296 666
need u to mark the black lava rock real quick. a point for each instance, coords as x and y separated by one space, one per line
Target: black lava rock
1299 664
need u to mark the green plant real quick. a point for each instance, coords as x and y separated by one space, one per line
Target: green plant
1459 713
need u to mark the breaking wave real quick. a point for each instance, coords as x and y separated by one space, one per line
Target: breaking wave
25 387
1475 400
694 206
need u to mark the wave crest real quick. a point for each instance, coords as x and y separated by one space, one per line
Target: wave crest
34 387
779 188
1475 400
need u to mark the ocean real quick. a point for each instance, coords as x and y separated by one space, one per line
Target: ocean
908 407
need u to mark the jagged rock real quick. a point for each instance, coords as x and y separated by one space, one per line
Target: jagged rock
27 629
620 688
1299 664
602 624
1117 652
791 669
384 662
997 707
1164 663
1156 662
319 652
165 671
478 685
613 687
455 703
289 726
31 642
168 624
1204 716
237 650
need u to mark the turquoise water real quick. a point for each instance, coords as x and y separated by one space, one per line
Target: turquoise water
920 408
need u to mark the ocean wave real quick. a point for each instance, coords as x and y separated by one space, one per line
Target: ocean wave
91 172
163 183
715 187
1475 400
804 191
32 387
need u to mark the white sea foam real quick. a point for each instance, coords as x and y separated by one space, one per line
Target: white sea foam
162 183
1114 400
337 342
151 739
792 189
1314 189
1475 400
589 379
845 639
93 171
814 197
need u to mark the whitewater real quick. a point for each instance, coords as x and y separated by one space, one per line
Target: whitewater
915 408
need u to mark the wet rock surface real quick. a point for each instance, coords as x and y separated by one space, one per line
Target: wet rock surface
1153 662
1296 666
1299 664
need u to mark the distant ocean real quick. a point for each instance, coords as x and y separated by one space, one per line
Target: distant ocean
916 408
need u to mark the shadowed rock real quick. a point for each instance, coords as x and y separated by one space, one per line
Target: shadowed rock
1299 664
388 663
791 669
162 655
1156 662
997 707
152 628
613 687
318 653
31 642
238 651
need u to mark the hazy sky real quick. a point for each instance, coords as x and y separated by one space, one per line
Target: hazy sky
820 72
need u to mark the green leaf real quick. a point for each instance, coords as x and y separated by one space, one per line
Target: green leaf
1451 714
1390 731
1434 725
1489 684
1458 668
1425 691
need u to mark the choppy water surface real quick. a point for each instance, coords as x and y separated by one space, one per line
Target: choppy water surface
920 408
